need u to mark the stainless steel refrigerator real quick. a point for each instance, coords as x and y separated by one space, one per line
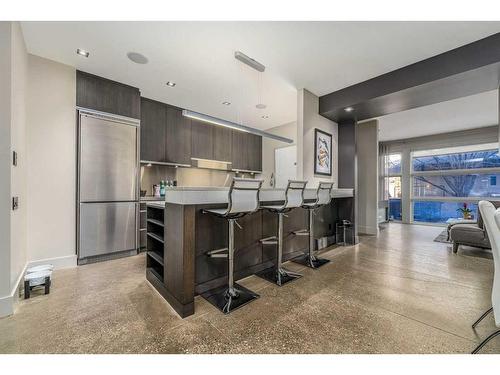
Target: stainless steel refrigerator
107 186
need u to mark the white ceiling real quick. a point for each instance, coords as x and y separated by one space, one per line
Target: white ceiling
470 112
319 56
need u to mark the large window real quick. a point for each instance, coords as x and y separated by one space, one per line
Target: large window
443 180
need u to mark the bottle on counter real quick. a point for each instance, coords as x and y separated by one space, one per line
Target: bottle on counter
162 188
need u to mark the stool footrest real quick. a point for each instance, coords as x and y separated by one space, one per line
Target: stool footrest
273 240
218 253
302 232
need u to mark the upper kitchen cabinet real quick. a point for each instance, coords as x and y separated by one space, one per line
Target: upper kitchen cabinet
210 142
153 130
178 139
223 144
247 151
254 152
238 143
202 140
104 95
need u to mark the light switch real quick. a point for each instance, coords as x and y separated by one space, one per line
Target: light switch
15 203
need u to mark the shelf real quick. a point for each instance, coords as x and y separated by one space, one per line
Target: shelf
157 207
154 273
157 222
157 257
156 237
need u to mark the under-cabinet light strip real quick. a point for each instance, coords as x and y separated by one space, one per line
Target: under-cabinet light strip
232 125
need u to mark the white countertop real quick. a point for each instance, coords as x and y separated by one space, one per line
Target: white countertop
214 195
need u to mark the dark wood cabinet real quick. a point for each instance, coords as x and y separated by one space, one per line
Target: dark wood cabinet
153 130
223 144
239 157
178 137
202 140
168 136
254 152
247 151
104 95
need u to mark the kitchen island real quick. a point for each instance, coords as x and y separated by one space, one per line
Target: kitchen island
180 235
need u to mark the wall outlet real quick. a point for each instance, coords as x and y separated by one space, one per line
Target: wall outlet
15 203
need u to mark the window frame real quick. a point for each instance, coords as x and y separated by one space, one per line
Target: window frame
447 172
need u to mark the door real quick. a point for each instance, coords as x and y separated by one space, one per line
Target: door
153 130
202 137
254 152
107 228
223 144
285 165
178 146
108 160
239 146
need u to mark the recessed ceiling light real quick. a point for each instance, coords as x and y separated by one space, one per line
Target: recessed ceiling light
171 84
226 103
82 52
265 116
137 58
261 106
349 109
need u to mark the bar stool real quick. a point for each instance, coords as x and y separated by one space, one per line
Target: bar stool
243 200
323 197
294 198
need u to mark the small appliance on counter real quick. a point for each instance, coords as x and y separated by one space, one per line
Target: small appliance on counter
156 191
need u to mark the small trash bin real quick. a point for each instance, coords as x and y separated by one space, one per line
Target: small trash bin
344 233
37 276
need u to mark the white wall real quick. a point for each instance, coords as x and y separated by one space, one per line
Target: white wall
269 145
13 224
5 158
308 119
18 144
367 192
51 143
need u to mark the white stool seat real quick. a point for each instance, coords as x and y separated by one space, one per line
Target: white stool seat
43 267
37 278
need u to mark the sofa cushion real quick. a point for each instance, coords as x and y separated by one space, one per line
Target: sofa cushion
468 234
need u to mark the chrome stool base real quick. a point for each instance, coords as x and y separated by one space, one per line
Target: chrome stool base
222 299
279 277
311 262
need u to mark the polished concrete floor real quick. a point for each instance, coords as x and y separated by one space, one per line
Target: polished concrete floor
398 293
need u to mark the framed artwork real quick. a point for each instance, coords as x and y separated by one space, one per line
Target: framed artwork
322 153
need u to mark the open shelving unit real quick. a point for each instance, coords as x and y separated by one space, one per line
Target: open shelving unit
155 243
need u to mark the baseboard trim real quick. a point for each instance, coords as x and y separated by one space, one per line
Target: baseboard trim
67 261
8 303
6 306
373 231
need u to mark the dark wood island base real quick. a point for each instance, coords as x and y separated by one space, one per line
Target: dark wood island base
177 264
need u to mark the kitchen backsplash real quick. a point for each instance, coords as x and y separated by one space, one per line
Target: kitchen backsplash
185 176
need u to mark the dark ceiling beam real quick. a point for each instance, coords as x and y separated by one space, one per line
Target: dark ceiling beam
463 71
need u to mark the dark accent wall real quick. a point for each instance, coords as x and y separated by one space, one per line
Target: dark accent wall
347 154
